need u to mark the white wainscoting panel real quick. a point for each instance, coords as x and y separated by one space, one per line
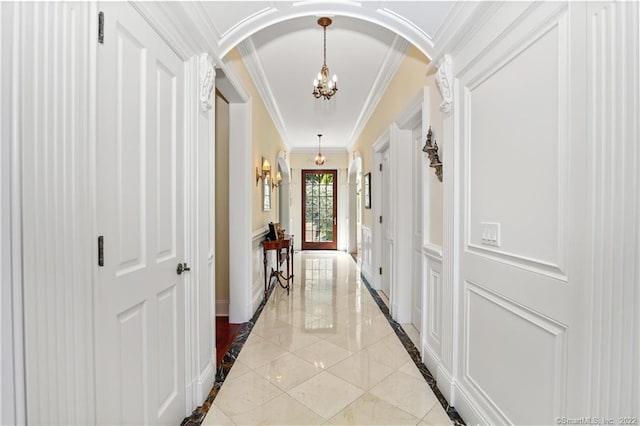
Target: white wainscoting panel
521 305
529 205
257 288
432 308
366 246
541 348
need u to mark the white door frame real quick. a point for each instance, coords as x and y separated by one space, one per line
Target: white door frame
378 149
240 208
354 170
284 195
410 119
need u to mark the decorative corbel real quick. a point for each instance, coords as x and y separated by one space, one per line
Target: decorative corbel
207 81
444 78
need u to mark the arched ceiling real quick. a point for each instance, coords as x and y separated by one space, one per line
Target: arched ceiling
281 45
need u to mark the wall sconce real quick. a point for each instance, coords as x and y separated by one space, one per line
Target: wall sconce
431 148
277 181
266 170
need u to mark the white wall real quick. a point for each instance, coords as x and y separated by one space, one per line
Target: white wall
55 135
529 328
8 414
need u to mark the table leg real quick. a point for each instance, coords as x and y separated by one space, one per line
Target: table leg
264 263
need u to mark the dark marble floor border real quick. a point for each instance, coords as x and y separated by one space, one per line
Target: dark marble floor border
415 355
198 415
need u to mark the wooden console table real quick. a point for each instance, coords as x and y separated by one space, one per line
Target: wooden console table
284 251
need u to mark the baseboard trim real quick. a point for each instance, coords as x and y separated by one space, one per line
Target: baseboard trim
207 378
222 308
453 392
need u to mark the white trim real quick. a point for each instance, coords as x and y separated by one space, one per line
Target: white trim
240 208
222 307
433 251
468 409
381 144
325 150
411 115
259 234
393 59
284 192
12 401
256 71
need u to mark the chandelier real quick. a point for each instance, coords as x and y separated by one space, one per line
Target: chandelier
319 157
322 86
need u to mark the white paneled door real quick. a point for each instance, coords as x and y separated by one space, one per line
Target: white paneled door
139 297
387 233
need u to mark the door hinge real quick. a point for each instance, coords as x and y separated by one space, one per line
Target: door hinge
380 166
101 250
380 271
101 27
380 219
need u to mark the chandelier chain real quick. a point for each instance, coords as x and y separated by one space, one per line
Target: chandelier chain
325 46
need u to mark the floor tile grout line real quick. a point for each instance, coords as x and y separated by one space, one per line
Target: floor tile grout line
414 354
222 371
198 415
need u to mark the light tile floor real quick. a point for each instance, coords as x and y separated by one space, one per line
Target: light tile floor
324 354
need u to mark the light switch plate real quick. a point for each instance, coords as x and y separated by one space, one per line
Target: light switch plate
490 233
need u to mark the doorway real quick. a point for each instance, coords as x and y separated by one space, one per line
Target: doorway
319 210
387 232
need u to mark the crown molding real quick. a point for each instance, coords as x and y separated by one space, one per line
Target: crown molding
325 150
392 61
256 71
177 26
460 26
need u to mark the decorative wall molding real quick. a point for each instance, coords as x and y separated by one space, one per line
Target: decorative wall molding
55 137
390 64
207 81
613 107
444 78
366 255
257 287
527 319
256 71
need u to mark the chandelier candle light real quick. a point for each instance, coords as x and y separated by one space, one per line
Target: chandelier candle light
319 157
322 86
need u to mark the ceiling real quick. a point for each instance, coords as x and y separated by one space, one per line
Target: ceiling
281 45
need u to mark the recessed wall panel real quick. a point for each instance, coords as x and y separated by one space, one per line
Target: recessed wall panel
514 357
132 347
516 145
166 110
435 303
167 349
131 156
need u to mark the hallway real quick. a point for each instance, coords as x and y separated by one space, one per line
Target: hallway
325 354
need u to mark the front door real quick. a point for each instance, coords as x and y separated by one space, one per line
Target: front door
319 210
139 296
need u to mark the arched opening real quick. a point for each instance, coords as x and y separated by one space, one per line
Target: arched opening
354 246
284 196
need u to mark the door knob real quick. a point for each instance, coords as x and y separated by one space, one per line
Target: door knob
182 267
